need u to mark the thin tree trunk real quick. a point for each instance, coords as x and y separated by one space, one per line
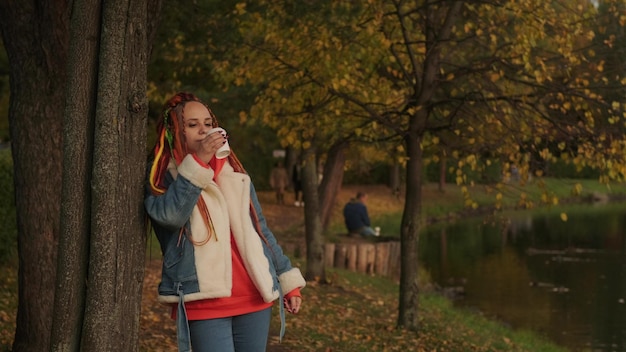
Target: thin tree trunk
409 237
74 239
315 270
331 181
442 171
394 178
411 219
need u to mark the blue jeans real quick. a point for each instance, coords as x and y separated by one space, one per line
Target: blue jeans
242 333
366 231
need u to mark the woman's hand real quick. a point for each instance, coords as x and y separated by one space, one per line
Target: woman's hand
209 145
293 304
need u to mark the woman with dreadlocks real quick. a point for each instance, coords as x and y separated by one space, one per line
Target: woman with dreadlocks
222 267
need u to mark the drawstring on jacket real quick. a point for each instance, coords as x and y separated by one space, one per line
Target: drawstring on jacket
182 324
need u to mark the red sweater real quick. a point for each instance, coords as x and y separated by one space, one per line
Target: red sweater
244 296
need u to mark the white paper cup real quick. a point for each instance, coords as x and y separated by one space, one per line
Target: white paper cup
224 150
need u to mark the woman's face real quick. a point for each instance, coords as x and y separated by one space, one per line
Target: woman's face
197 122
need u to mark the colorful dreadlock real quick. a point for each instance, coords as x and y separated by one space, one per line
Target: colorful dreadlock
171 143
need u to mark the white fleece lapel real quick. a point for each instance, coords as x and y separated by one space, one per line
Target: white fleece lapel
236 189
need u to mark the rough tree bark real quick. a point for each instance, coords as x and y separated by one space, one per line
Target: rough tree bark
409 237
74 239
35 36
117 246
315 270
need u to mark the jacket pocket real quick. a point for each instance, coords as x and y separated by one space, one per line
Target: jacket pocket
172 257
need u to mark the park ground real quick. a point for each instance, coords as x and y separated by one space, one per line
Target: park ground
351 312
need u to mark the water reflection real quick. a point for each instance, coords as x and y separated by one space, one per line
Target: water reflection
564 280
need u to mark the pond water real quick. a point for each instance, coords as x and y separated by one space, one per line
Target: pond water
565 280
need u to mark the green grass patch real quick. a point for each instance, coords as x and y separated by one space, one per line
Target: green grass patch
545 195
359 313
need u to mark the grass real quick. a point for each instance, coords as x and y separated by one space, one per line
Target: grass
354 312
359 313
537 196
367 305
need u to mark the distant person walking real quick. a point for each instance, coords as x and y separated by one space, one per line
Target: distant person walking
279 180
296 178
356 217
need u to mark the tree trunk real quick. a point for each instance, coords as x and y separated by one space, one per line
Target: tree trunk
331 182
442 171
35 36
291 159
38 76
409 237
411 218
394 177
315 270
74 239
117 255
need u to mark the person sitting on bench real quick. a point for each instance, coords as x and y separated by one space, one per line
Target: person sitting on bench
356 217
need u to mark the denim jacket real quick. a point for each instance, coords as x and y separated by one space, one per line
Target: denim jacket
193 272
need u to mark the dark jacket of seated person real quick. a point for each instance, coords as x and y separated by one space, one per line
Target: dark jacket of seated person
356 217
